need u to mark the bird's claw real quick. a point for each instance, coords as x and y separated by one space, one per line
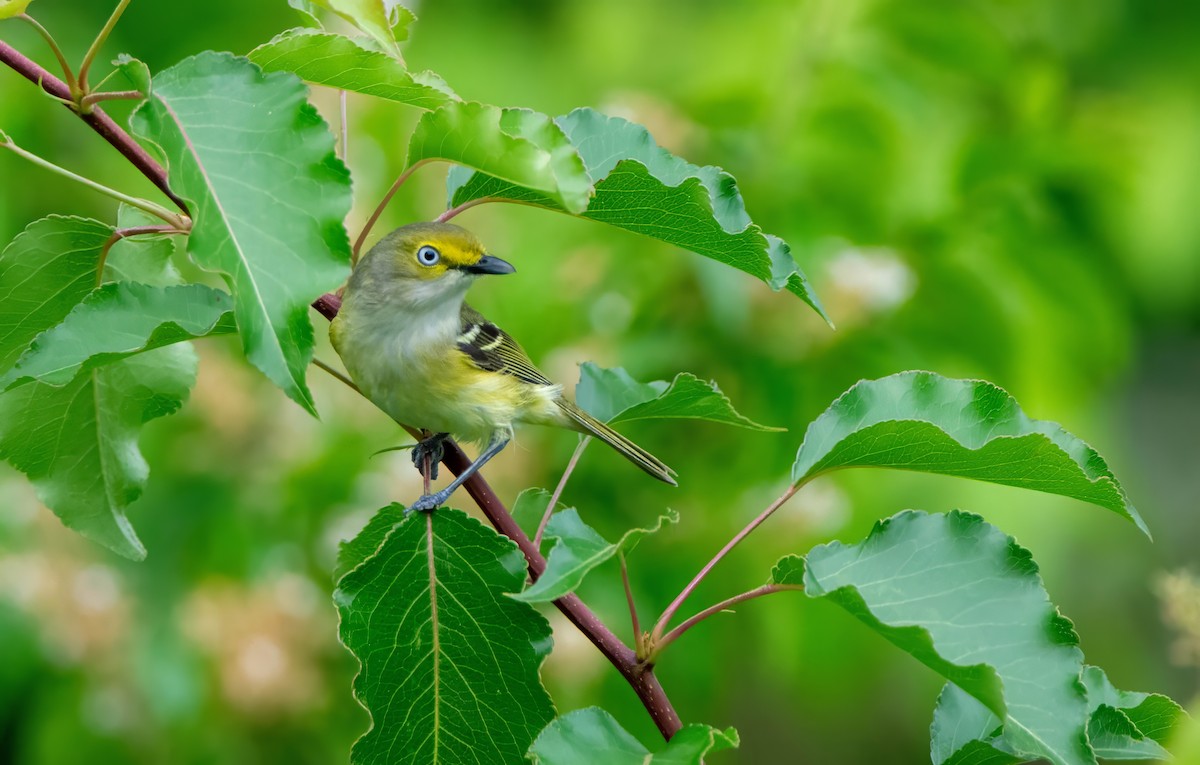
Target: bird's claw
434 449
427 503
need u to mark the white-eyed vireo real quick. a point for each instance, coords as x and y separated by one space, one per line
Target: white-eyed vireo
426 358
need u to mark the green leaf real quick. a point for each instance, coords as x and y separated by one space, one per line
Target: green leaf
592 735
643 188
267 198
449 663
371 16
339 62
12 8
966 600
307 11
1121 726
578 549
117 321
137 74
352 552
529 507
612 395
90 477
968 428
519 146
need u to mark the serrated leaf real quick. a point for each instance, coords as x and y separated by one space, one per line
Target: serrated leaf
12 8
519 146
969 428
592 735
339 62
90 477
119 320
352 552
529 507
1121 726
578 549
966 600
371 16
643 188
267 197
449 663
613 396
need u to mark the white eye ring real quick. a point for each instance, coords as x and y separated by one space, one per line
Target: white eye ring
428 256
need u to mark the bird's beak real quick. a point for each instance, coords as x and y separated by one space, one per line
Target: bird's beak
490 264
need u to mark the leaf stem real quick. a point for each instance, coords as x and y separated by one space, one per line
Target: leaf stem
92 99
81 85
757 592
344 144
58 54
336 374
656 635
558 490
97 120
174 220
123 233
362 237
633 617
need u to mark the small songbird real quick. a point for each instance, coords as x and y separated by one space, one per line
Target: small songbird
421 354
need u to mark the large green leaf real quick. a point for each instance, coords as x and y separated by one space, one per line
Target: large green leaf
267 197
612 395
449 662
590 736
339 62
578 548
1121 726
969 428
78 443
117 321
643 188
966 600
519 146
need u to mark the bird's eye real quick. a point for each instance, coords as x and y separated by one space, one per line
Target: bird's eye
428 256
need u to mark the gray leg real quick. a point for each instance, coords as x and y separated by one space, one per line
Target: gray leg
432 501
433 447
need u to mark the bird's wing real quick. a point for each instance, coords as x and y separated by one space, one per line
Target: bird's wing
494 350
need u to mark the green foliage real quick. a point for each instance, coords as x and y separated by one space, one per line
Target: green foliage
119 320
964 599
645 189
371 16
969 428
340 62
578 549
449 662
592 735
1121 726
613 396
517 146
273 228
90 478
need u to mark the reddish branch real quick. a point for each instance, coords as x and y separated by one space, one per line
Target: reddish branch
97 119
640 676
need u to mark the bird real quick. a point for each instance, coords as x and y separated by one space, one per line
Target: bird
419 352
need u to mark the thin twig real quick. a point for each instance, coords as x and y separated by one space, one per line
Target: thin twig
362 237
57 51
344 147
90 56
173 220
336 374
110 95
633 617
663 621
757 592
96 119
558 490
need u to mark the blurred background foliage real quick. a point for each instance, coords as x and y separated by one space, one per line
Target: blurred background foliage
984 188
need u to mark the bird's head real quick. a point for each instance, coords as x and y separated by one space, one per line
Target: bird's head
424 262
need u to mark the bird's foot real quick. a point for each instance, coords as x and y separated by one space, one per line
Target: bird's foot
434 448
429 502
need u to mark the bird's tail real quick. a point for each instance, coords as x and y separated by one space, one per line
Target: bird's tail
585 423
